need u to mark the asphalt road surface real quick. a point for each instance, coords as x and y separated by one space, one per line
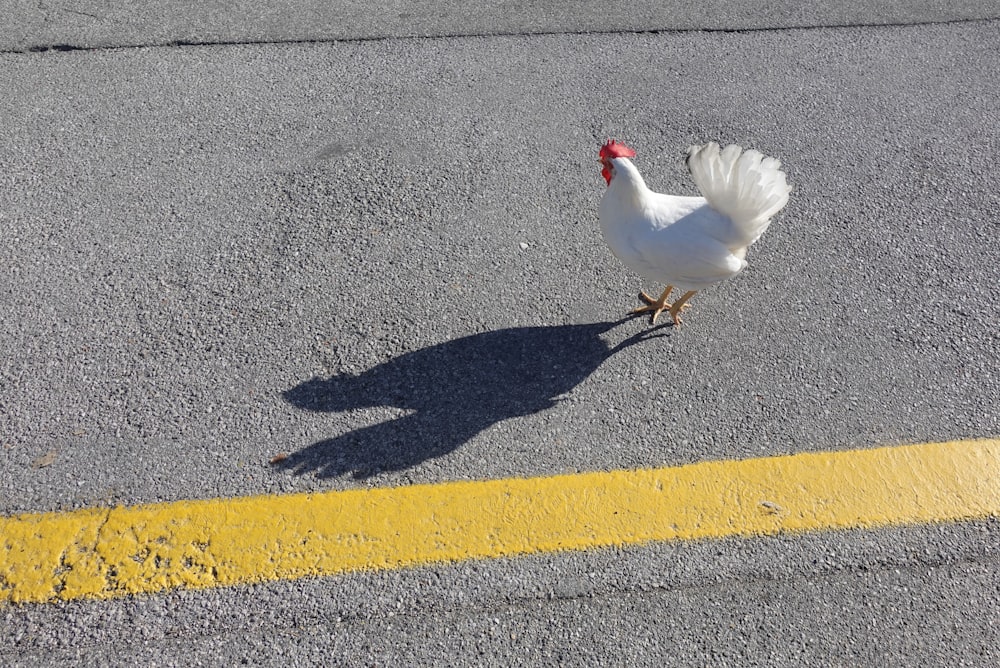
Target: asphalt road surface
205 244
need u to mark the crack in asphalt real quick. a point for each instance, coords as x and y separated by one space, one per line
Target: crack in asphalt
64 47
48 11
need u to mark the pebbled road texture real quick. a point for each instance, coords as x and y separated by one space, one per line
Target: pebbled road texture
63 24
217 253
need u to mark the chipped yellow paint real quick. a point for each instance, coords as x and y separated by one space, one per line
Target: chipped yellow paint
105 553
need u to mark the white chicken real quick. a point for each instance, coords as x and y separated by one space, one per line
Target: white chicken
689 243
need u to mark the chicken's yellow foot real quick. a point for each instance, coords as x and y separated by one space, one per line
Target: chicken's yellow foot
657 306
680 305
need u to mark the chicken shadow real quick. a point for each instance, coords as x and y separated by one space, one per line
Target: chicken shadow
454 389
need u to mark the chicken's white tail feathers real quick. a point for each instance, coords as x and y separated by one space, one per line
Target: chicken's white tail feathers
745 186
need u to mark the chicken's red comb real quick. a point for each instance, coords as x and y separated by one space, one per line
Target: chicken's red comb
615 149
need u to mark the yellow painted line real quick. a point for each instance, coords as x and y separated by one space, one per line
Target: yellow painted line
112 552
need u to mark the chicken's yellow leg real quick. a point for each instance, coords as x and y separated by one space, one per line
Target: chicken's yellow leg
679 305
657 306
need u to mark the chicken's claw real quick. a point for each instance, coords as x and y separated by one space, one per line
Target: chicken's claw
676 315
679 306
657 306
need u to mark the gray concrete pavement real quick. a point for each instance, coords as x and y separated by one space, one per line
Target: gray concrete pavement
734 623
100 23
192 233
908 596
